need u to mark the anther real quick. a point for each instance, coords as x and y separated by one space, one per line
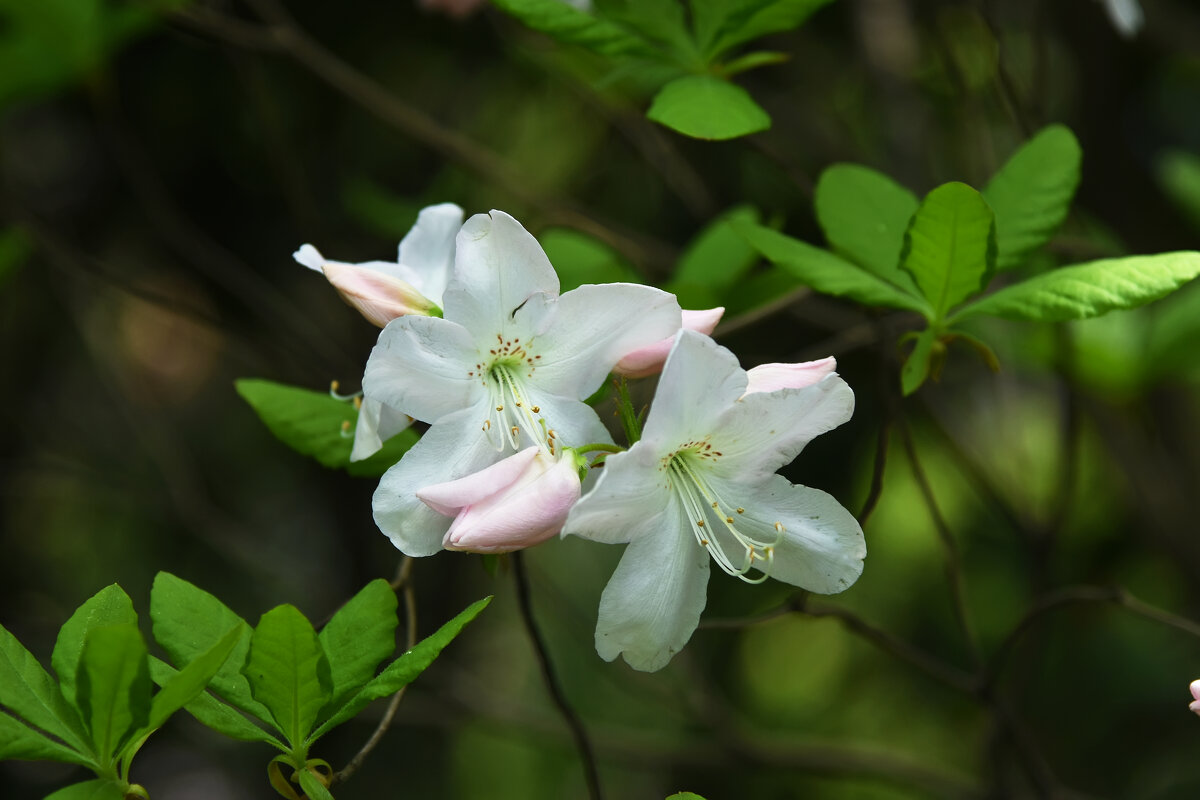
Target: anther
741 510
779 527
700 523
550 433
357 402
499 408
515 430
729 520
537 409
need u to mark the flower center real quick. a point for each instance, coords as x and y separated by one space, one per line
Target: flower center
510 411
735 537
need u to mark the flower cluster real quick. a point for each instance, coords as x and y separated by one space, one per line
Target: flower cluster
478 343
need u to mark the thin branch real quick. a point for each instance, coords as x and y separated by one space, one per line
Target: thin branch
954 569
403 583
586 755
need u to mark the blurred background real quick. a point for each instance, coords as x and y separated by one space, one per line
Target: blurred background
158 166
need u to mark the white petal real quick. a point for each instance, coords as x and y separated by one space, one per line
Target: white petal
823 546
376 424
762 432
310 257
498 267
448 451
699 382
771 377
653 601
428 249
574 422
447 498
627 502
595 326
422 366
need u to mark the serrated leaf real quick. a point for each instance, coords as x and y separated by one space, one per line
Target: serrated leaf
827 273
403 670
28 691
864 215
570 25
97 789
705 107
1089 290
288 671
187 684
214 714
113 685
358 637
916 367
109 606
313 788
714 261
750 19
188 622
950 246
1032 193
18 740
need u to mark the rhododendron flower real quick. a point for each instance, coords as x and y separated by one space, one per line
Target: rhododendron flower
508 367
647 361
383 291
515 503
700 486
1195 704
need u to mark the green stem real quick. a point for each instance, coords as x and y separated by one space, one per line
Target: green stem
599 447
629 417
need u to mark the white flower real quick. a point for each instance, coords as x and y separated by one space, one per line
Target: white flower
507 367
383 291
701 486
648 361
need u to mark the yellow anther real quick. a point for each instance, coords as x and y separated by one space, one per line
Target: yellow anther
741 511
699 523
779 527
729 520
333 386
345 426
358 402
515 430
499 408
537 409
551 433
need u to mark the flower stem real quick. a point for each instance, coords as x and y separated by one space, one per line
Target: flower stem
600 447
629 417
586 754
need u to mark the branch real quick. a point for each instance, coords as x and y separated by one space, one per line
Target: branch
586 755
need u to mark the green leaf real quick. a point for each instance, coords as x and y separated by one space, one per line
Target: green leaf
685 796
28 691
716 260
916 367
864 215
572 26
749 61
189 622
388 455
215 714
113 685
187 684
97 789
403 670
950 246
1032 193
705 107
109 606
750 19
313 788
1089 290
358 637
827 273
579 259
288 671
660 22
20 741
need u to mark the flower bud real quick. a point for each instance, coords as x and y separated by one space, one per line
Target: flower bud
518 502
649 360
378 296
1195 704
772 377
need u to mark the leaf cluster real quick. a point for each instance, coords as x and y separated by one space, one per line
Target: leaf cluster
691 46
937 256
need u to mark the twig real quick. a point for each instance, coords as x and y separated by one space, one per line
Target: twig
403 583
954 571
586 755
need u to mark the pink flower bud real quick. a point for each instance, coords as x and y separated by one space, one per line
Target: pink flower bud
518 502
649 360
772 377
378 295
1195 704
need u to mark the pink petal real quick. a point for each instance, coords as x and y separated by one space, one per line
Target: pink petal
649 360
523 515
1195 687
377 296
772 377
450 497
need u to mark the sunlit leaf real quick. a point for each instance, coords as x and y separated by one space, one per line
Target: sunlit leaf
30 692
1091 289
950 245
113 685
1031 194
705 107
359 636
724 24
215 714
20 741
183 687
109 606
827 273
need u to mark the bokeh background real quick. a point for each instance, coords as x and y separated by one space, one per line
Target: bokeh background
158 168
